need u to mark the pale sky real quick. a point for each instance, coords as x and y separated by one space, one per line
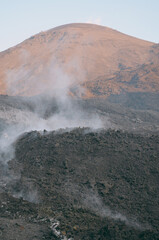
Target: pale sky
20 19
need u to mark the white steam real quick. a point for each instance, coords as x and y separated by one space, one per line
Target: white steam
51 82
54 85
93 202
89 199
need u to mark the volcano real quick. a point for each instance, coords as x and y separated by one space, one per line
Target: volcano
103 61
79 136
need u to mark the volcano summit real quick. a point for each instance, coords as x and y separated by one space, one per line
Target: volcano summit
91 60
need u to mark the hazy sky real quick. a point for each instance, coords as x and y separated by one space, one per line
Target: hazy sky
20 19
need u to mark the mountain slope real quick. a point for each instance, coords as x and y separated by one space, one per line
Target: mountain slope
101 60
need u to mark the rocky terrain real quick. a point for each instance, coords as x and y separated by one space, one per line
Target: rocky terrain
98 185
78 183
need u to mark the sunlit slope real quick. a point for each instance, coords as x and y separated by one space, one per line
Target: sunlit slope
101 60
